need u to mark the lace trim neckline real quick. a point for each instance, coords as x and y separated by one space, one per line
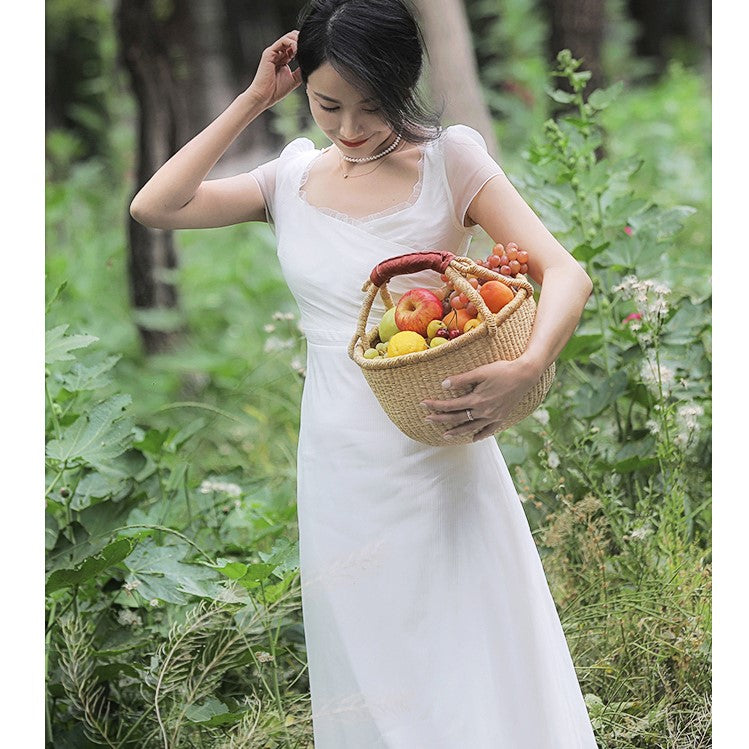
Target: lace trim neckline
397 208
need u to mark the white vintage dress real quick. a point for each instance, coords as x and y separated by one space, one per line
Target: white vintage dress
428 619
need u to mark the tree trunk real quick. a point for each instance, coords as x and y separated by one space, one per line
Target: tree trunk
453 75
578 25
162 125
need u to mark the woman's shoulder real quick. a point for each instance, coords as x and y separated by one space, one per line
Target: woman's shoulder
296 147
460 134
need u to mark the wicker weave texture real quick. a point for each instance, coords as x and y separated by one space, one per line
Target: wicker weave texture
401 383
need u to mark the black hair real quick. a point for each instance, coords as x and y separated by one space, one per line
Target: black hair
377 47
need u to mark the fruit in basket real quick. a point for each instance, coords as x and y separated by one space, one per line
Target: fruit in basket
471 324
381 348
406 342
371 353
433 327
456 319
387 327
416 309
496 295
437 341
442 332
509 261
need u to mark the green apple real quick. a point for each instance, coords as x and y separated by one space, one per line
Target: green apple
387 327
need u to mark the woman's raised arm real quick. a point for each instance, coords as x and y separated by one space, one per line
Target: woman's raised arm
179 197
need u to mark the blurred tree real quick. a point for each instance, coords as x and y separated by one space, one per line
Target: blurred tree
154 42
79 65
578 25
672 26
453 73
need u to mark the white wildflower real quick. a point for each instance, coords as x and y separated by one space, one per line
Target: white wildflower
269 328
652 426
264 657
641 533
233 490
688 416
154 602
273 343
553 459
278 315
649 296
131 585
654 375
128 618
542 415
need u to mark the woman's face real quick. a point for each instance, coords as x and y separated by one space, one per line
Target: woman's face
354 124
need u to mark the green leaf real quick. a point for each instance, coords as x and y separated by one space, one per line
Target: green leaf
96 485
161 573
563 97
586 251
590 400
51 531
212 712
97 437
57 345
89 378
284 555
110 555
581 346
602 97
636 455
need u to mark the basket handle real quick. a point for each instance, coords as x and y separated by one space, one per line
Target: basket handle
411 262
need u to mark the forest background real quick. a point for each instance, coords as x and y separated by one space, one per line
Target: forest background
195 392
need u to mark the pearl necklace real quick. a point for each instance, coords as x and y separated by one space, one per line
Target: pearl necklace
376 156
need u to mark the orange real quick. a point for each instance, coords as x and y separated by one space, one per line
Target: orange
456 319
496 295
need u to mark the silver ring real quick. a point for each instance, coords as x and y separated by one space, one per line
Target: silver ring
468 414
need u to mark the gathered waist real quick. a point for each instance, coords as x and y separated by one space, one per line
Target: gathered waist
328 338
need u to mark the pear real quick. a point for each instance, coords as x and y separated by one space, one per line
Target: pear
387 327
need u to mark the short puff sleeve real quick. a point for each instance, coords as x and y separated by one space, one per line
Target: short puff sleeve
468 167
268 175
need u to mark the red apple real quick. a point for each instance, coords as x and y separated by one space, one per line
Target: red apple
416 309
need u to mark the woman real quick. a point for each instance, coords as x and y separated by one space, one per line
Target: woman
428 619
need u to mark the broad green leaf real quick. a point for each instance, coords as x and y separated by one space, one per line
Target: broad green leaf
161 574
563 97
233 570
284 555
89 378
581 346
586 251
602 97
110 555
93 486
212 712
97 437
152 441
590 400
57 345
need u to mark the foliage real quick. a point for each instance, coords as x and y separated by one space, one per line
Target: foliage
159 629
616 465
509 39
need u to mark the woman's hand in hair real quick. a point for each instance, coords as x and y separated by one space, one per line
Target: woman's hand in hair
274 78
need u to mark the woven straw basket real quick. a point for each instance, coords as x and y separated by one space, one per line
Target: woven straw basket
401 383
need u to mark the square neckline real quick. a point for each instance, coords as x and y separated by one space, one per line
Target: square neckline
416 192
